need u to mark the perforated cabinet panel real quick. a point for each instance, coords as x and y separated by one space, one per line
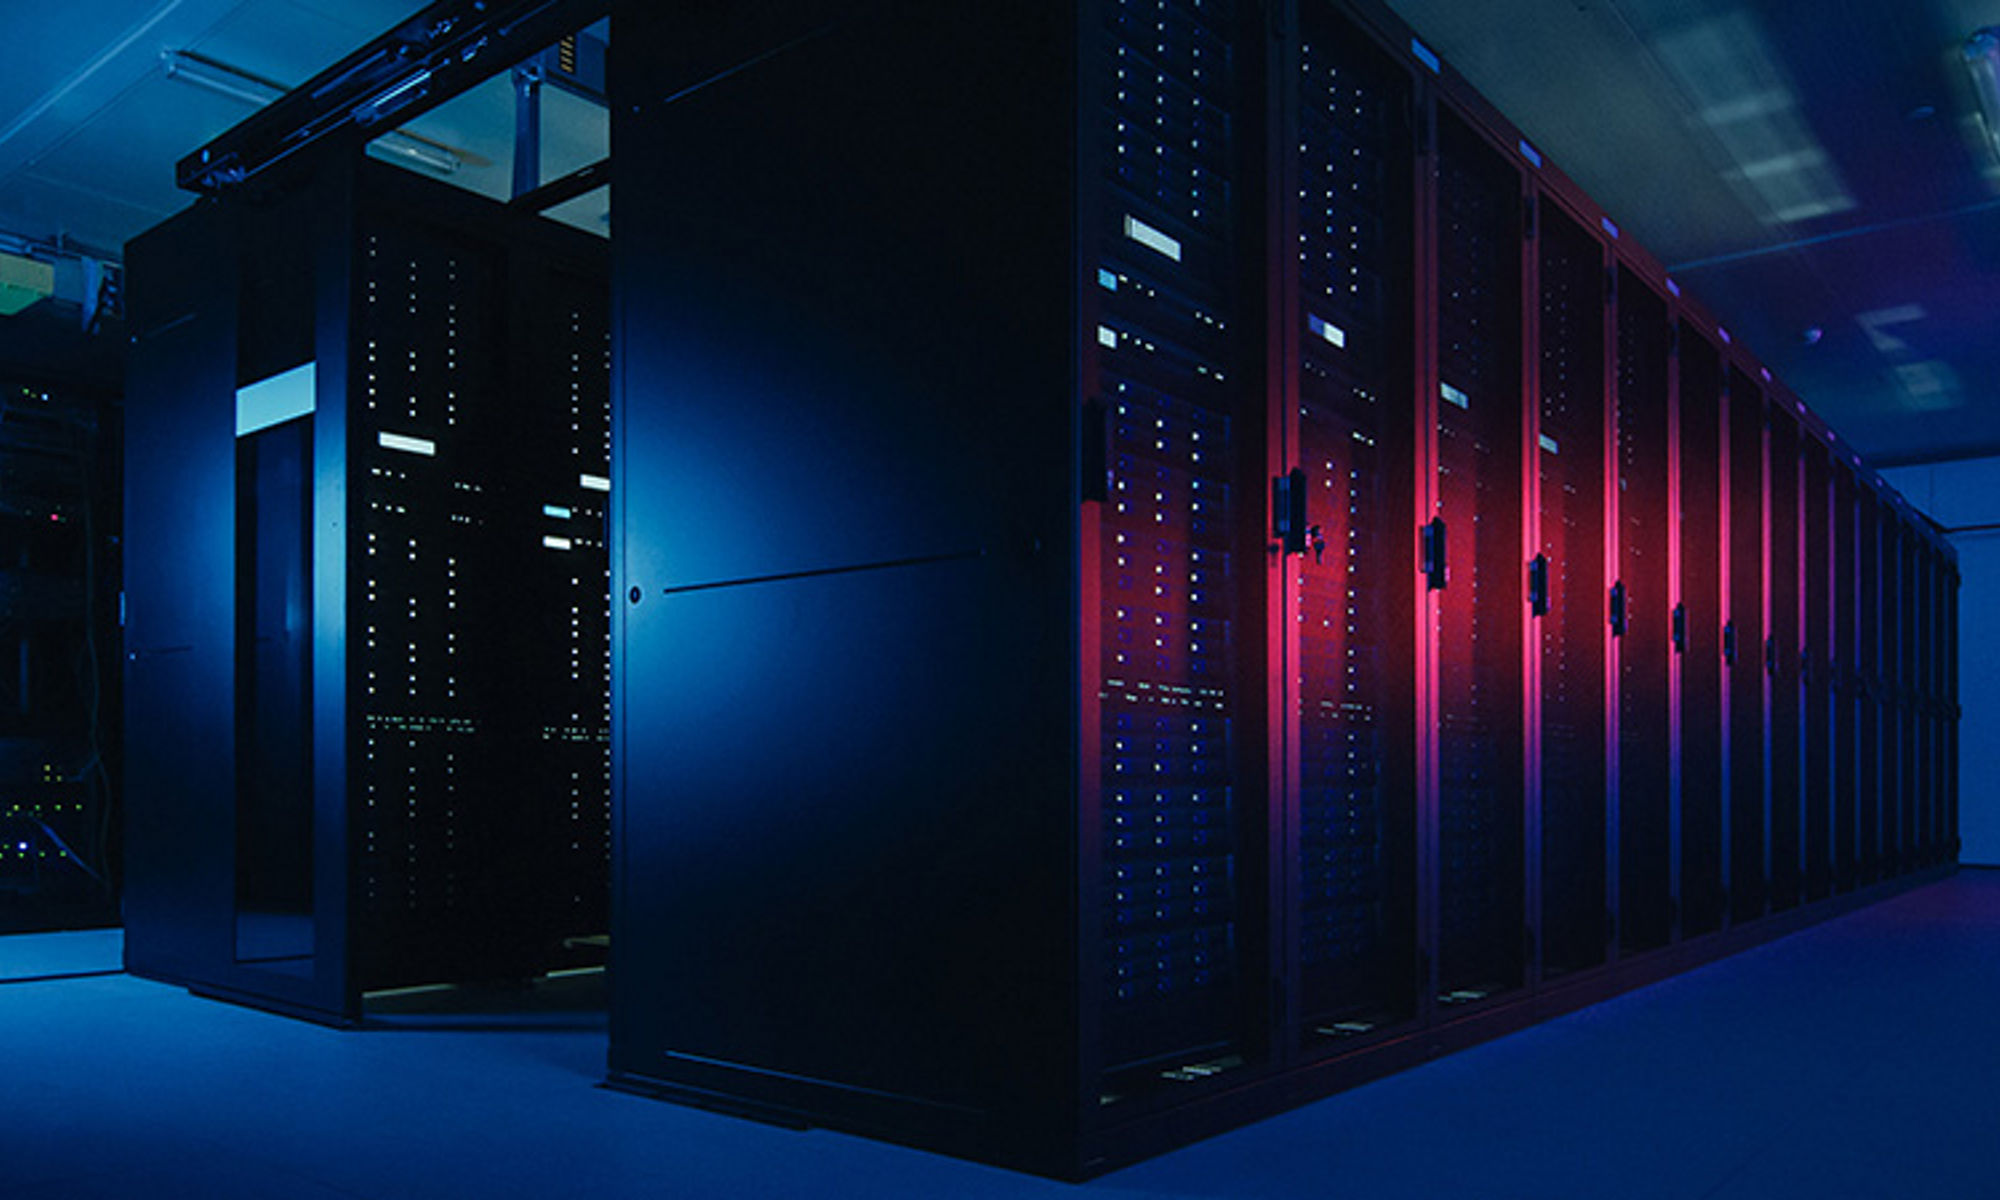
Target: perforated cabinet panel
1478 613
1815 670
1645 531
1845 679
428 481
1703 673
1749 812
1889 691
1874 842
1182 429
1780 655
1571 635
1357 804
563 469
479 454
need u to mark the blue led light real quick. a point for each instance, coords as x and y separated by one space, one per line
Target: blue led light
557 511
1425 56
1107 280
1608 226
1530 153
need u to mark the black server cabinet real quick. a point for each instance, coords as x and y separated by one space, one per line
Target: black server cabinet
366 690
1705 643
1949 620
1651 627
1355 358
1889 646
1903 688
1781 652
1743 650
1844 678
1869 777
1473 550
1816 667
1568 594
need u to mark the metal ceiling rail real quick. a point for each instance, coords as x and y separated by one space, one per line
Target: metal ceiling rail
426 60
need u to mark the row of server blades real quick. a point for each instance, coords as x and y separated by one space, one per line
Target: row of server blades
367 637
1164 563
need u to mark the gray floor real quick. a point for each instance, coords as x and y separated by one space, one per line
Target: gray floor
1858 1059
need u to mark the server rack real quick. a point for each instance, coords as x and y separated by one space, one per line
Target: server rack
1781 654
1816 659
1570 609
367 613
1649 840
1844 679
1165 563
1702 637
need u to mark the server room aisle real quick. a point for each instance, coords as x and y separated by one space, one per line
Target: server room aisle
1856 1059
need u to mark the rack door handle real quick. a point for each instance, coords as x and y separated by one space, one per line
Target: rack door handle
1436 576
1288 511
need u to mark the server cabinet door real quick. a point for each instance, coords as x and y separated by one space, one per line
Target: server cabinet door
1700 626
1571 630
1474 553
1781 652
1868 777
1646 656
1927 637
1815 667
1749 812
1953 711
1356 737
1895 669
1182 571
1843 679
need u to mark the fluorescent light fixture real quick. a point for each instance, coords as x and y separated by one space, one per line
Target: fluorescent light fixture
276 400
1327 329
594 483
408 445
1152 238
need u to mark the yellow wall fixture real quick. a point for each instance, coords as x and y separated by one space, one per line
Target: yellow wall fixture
24 281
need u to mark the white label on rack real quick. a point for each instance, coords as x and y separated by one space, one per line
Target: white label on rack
1151 238
408 445
1327 329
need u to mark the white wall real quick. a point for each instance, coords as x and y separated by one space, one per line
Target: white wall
1956 494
